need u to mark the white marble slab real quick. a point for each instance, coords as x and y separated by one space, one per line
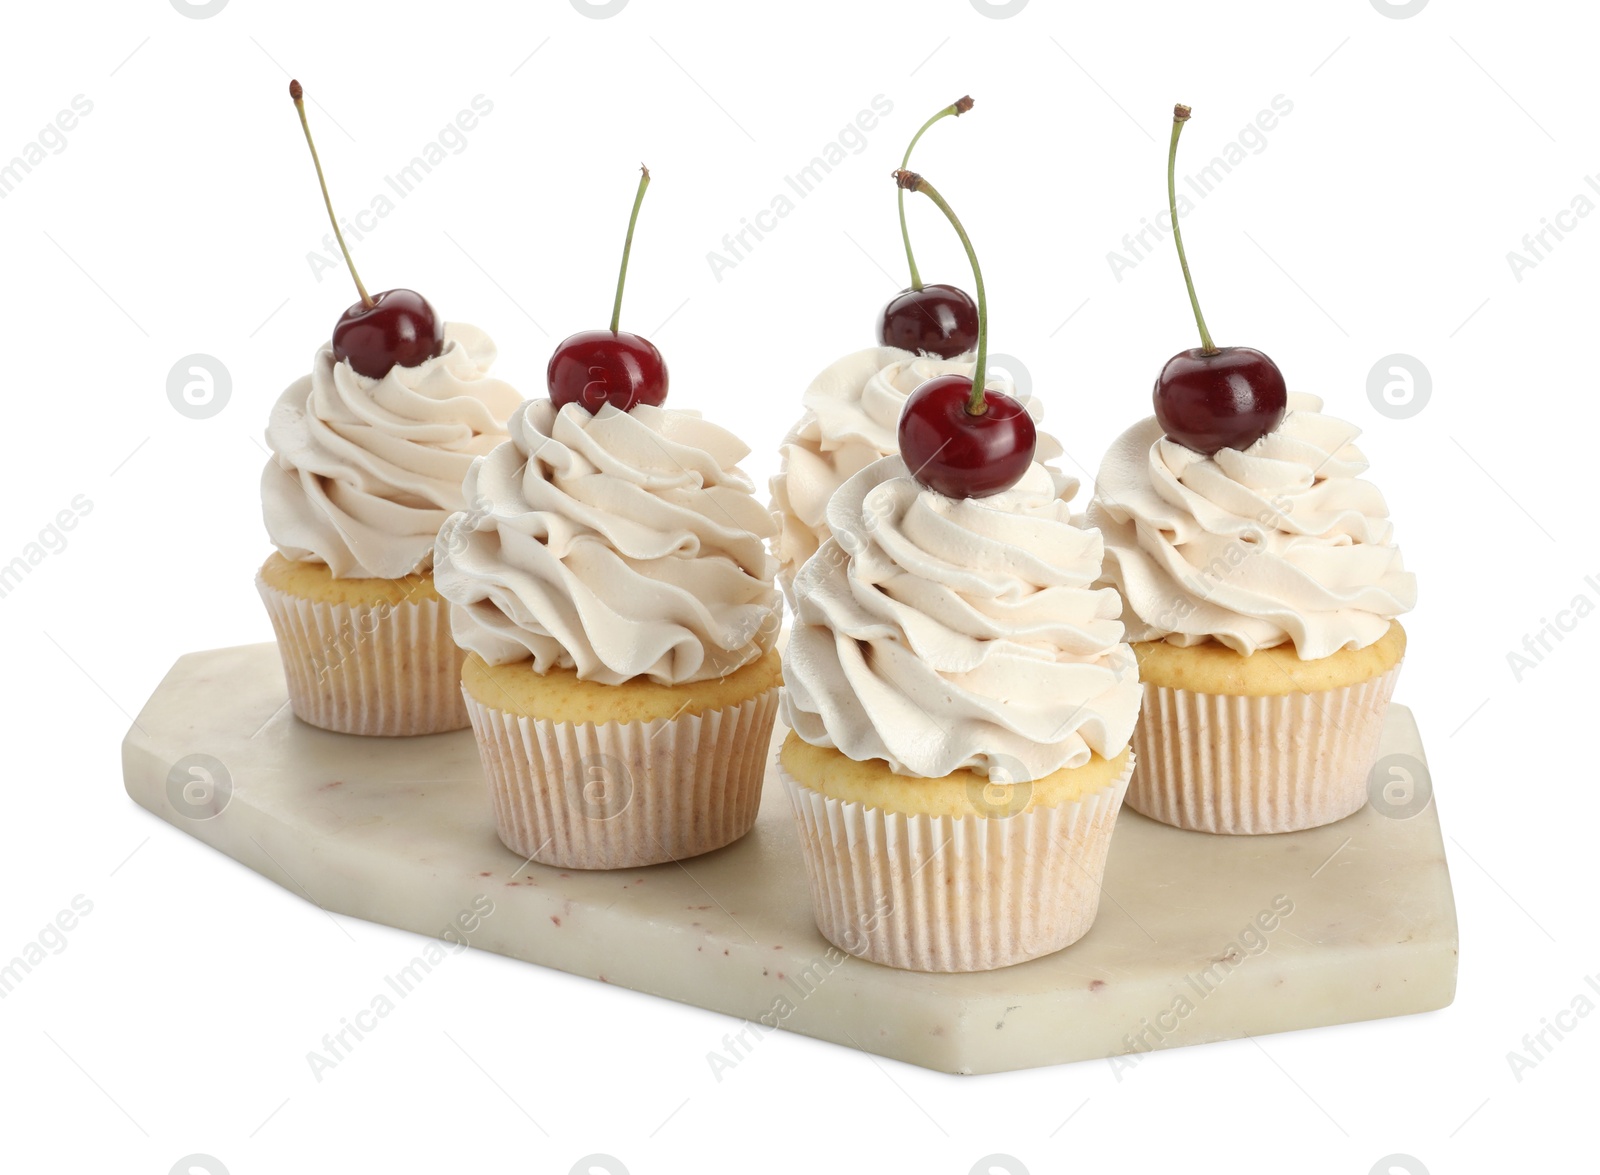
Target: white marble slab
398 831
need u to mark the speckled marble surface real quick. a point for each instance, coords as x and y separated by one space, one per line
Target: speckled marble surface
1192 943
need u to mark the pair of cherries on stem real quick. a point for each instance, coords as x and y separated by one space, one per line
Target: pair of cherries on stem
399 328
957 438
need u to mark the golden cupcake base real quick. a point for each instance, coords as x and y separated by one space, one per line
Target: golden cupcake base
1260 744
364 656
979 878
624 795
584 775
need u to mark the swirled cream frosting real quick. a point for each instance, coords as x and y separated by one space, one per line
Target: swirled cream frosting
851 419
364 471
938 634
619 544
1281 542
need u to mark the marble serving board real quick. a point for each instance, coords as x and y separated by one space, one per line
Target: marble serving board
1199 938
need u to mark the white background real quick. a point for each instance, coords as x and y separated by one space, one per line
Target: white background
178 219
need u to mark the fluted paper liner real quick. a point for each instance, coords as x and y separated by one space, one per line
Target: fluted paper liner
624 795
1226 764
947 893
383 669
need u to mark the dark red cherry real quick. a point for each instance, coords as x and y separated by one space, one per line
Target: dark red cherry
596 367
1225 399
937 319
399 329
1211 398
376 334
961 455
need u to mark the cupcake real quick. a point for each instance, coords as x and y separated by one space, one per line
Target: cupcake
368 455
958 693
1262 588
363 472
960 702
612 582
851 412
612 585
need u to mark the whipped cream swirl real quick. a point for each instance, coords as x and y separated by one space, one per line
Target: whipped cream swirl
619 544
937 634
364 471
1282 542
851 419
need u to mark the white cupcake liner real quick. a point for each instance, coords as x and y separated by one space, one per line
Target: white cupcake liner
947 893
1226 764
380 669
624 795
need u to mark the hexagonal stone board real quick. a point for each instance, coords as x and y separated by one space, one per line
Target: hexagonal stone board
398 831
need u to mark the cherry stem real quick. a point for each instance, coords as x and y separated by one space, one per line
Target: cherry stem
1180 115
958 107
298 94
910 181
627 246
